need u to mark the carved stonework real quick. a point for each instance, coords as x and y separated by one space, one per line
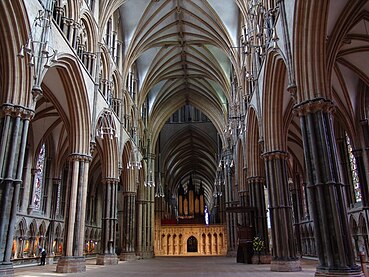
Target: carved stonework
191 240
312 106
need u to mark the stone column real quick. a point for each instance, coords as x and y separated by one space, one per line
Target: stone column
325 190
73 259
14 125
109 221
284 250
257 200
128 228
140 219
231 218
297 213
151 221
54 215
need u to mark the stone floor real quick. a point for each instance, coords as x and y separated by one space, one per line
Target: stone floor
172 266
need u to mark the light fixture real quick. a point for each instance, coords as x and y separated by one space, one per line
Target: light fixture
37 48
235 120
134 161
218 185
159 188
258 34
149 180
105 126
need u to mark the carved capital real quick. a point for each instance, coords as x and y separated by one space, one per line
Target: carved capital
110 180
314 105
79 157
16 111
274 155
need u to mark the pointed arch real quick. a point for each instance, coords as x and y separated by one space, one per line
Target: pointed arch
78 104
14 26
273 103
255 165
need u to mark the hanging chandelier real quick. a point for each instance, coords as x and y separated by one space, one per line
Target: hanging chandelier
134 161
218 185
149 180
37 48
159 188
105 126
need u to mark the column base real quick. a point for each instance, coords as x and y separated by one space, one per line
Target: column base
285 266
71 264
338 273
107 259
6 269
128 256
264 259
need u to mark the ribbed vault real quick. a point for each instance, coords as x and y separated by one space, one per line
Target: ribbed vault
190 153
183 53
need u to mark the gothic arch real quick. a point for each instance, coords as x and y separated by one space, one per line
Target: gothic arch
309 49
78 105
91 32
15 27
274 97
255 165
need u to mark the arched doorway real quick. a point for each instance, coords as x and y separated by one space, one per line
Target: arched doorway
192 244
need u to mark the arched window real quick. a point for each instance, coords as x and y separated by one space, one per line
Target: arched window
39 178
353 170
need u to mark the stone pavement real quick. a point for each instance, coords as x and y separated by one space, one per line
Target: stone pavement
172 266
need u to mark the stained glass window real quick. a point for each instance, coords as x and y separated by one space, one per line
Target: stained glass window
39 178
353 169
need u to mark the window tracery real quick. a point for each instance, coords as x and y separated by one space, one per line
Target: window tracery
39 178
353 170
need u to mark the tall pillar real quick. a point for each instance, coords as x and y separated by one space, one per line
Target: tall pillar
140 219
73 259
257 200
325 191
151 220
295 197
128 228
231 218
109 221
284 250
144 226
54 215
14 124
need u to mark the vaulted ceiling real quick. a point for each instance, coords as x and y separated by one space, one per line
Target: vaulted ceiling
183 52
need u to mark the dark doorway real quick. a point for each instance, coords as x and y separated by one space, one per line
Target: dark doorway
192 244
